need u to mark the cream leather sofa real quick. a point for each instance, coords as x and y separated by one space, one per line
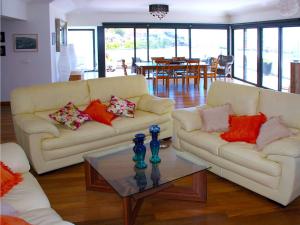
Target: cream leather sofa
27 198
50 146
275 171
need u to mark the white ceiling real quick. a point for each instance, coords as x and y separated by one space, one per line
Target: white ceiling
216 7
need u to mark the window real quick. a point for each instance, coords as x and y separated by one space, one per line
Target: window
290 53
141 44
270 58
119 44
250 59
245 54
183 43
82 56
208 43
239 53
161 43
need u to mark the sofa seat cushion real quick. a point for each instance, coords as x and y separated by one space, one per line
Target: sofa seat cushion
27 195
142 120
245 155
284 147
88 132
208 141
43 216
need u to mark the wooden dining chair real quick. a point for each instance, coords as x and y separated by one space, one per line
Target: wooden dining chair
178 59
162 72
124 66
192 71
153 59
212 71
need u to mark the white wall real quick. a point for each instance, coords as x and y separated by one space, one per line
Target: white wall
16 9
261 15
97 18
26 68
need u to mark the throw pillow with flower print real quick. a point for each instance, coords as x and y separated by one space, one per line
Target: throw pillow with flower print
121 107
70 116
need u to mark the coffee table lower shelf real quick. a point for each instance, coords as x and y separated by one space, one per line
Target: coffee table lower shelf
132 204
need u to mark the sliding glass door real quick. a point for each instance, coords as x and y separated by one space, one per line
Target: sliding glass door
183 43
290 53
239 53
119 45
270 58
161 43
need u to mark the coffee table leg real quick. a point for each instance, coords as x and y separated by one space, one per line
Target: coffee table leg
131 209
200 185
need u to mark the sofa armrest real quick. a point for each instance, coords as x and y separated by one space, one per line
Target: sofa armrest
157 105
32 124
14 157
284 147
189 118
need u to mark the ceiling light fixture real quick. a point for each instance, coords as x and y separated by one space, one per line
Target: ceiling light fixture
158 10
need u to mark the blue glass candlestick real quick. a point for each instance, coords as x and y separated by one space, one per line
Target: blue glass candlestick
154 144
134 158
140 151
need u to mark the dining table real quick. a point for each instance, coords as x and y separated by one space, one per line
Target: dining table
143 67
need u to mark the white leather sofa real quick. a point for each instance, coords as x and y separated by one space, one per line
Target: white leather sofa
275 171
27 198
50 146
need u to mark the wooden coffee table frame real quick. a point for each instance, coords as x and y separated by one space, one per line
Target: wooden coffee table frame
132 204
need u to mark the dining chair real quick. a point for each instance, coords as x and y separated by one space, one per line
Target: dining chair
124 66
162 72
192 71
153 59
212 71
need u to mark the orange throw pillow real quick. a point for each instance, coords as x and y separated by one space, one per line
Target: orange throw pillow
8 179
11 220
244 128
98 112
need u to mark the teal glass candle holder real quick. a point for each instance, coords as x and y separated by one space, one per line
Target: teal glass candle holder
154 144
140 151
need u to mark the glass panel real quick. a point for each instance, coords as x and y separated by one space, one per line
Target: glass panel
161 43
208 43
119 44
290 53
183 43
239 54
270 58
81 56
141 44
251 55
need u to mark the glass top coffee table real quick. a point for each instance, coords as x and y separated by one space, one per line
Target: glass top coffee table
115 172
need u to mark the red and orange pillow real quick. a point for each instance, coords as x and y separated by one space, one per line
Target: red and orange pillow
12 220
244 128
9 179
98 112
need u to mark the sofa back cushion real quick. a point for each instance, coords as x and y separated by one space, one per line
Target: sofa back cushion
49 96
243 99
286 105
123 87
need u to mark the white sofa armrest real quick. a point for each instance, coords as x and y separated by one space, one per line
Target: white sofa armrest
14 157
32 124
189 118
157 105
284 147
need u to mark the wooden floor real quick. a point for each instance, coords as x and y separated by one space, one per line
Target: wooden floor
228 203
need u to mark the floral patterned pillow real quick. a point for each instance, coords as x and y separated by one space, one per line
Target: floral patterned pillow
70 116
121 107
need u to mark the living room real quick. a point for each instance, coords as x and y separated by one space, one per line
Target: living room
192 77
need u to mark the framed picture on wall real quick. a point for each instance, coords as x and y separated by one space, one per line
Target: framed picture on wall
2 50
25 42
2 37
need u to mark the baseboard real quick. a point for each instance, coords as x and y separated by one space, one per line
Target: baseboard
5 103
